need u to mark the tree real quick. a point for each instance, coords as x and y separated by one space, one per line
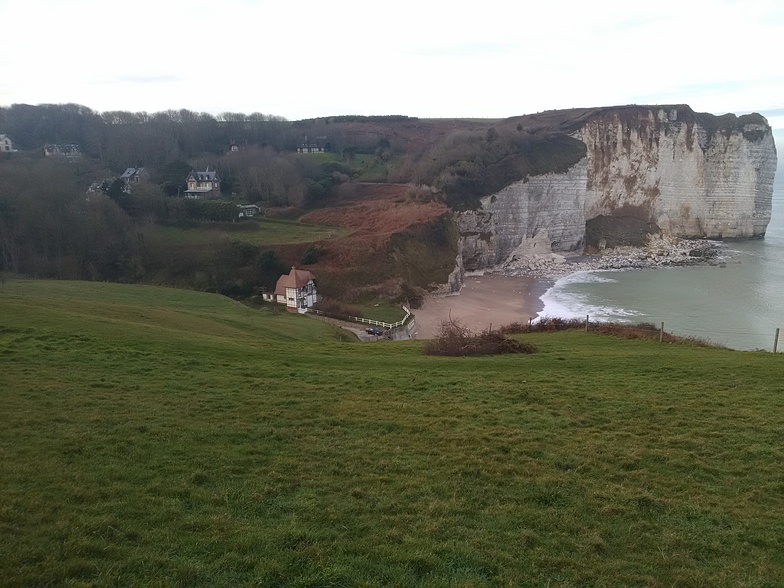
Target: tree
172 176
349 153
114 190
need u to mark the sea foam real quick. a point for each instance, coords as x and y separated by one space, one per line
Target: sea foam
563 300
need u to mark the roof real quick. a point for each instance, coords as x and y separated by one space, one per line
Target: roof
204 176
133 171
295 279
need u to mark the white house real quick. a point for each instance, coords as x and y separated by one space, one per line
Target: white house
203 185
6 145
297 291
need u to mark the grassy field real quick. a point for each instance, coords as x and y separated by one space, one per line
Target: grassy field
323 157
260 231
372 168
161 437
381 310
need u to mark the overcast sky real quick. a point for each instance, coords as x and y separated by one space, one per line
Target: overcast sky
303 59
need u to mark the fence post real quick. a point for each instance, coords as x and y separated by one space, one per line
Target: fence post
586 323
661 333
776 341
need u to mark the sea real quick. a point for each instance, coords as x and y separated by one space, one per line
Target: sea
738 304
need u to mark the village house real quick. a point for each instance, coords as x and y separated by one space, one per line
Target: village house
248 210
311 147
203 185
135 175
297 290
6 145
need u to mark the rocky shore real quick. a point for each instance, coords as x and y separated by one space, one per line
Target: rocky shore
660 251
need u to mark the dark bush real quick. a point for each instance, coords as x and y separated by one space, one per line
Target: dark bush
312 255
456 340
414 296
335 309
515 328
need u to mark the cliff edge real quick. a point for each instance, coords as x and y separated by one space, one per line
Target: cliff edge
645 169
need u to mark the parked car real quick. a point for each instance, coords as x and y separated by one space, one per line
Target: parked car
374 331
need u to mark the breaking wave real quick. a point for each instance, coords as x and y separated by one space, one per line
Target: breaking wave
565 300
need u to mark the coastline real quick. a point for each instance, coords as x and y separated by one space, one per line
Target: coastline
485 300
513 292
660 252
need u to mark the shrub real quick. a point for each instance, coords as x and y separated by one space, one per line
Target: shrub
557 324
335 309
414 296
456 340
544 324
312 254
515 328
627 331
283 212
647 331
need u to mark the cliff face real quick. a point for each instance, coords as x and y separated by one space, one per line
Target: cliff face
646 169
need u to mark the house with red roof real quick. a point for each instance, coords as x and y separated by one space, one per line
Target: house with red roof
297 290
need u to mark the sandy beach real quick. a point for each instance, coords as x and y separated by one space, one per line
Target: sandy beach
489 299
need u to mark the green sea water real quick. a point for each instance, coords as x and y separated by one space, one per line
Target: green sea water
739 305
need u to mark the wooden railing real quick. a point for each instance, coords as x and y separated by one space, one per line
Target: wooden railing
365 321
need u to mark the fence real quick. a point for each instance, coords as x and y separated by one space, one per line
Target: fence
572 323
365 321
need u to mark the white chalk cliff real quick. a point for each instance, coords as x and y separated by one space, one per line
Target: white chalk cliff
646 170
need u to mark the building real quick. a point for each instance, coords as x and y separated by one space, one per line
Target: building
6 145
248 210
135 175
297 290
311 147
203 185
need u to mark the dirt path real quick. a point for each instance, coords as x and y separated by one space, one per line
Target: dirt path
484 300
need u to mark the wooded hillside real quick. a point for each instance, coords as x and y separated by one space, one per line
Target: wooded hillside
52 226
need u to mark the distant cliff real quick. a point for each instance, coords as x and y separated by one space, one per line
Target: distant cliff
645 170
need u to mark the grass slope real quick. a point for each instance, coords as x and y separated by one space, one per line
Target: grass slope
152 436
261 231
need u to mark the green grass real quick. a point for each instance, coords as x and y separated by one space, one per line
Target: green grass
160 437
323 157
381 310
261 231
372 168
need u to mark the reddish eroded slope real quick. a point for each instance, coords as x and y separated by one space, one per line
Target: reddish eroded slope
398 234
374 212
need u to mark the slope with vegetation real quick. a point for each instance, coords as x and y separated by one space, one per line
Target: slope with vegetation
398 240
155 436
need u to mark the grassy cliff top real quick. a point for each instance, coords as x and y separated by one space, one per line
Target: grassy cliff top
152 436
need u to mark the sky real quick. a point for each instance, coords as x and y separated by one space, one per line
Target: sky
305 59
